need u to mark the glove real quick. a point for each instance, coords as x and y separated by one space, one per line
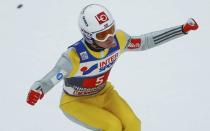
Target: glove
190 25
35 94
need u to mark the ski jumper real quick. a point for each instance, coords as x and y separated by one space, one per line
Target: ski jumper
88 97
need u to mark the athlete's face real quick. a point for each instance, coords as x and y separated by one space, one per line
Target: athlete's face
109 43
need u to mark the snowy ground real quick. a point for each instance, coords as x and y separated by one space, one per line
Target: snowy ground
168 86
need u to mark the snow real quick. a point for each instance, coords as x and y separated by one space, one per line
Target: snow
167 86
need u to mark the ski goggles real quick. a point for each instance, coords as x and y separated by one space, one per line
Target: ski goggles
105 34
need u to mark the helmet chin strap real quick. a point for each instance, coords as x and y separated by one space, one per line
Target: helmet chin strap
94 46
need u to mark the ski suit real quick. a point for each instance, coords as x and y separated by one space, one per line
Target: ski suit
88 97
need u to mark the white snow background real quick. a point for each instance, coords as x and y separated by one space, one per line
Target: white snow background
168 86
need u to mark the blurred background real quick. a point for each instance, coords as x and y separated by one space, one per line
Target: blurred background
167 86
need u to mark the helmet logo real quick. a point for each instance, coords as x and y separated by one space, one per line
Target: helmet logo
85 20
101 18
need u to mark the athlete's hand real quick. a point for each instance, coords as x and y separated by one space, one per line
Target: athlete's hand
190 25
35 94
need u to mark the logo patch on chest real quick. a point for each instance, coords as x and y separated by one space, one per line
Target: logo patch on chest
107 63
101 65
86 71
84 55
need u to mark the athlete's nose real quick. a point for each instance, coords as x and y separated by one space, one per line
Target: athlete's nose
110 39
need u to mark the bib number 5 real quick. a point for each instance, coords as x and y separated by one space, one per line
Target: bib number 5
100 80
96 81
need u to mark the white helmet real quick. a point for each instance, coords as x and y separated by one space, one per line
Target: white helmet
93 19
